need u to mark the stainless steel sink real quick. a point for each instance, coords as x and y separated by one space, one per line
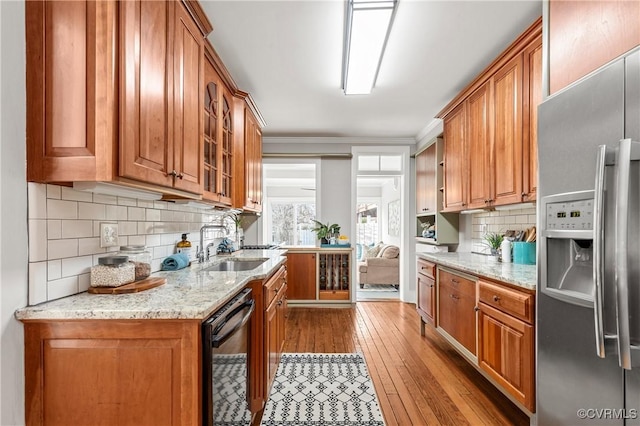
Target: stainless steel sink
236 265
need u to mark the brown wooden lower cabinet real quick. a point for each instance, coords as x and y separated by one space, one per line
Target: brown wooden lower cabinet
456 310
504 333
301 276
108 372
426 291
267 335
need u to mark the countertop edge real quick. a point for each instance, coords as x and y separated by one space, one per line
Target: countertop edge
478 271
48 310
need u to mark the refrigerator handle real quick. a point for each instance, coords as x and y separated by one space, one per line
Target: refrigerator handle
598 250
623 165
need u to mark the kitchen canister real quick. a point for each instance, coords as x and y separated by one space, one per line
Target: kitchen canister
524 253
112 271
505 248
141 259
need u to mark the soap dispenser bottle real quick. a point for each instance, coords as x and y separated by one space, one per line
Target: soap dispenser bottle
184 246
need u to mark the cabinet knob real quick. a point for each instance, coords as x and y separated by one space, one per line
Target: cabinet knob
476 309
180 175
496 298
277 289
172 173
280 302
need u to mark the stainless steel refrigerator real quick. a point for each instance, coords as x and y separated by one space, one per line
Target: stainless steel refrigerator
588 298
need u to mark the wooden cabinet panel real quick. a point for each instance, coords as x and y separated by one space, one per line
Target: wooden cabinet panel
454 160
506 353
71 90
271 332
112 372
301 273
532 96
426 268
479 148
253 163
512 302
188 96
427 299
507 133
161 80
426 169
456 308
146 82
584 35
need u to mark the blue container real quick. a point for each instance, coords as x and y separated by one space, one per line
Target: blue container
524 253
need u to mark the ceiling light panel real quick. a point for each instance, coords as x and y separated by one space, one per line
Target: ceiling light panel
368 26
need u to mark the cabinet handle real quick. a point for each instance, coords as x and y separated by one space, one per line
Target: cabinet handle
476 309
486 201
172 173
496 298
524 194
180 176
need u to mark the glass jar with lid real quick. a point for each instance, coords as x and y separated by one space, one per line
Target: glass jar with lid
141 259
112 271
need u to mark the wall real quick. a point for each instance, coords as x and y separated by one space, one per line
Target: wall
497 221
64 230
13 210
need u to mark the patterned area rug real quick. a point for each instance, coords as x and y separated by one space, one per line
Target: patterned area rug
230 390
322 389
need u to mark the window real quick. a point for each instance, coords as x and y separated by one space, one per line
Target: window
290 202
379 163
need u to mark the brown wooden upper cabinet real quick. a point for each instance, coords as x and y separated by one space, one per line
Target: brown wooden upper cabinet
253 163
490 155
161 66
219 126
584 35
426 175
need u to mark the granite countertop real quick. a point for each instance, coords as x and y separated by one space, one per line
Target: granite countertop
298 249
190 293
476 264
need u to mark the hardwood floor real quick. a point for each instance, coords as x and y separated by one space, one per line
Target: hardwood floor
419 380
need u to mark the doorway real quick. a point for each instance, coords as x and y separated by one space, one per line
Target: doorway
379 197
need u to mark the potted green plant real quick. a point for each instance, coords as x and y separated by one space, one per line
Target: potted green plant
493 241
324 232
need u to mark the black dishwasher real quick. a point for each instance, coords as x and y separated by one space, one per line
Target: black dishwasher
225 347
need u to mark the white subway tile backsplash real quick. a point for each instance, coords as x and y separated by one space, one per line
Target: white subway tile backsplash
135 213
116 212
37 196
64 231
76 266
54 229
54 191
166 216
37 282
91 211
152 215
37 240
137 240
105 199
127 228
54 269
153 240
145 203
61 209
73 195
77 228
62 288
59 249
89 246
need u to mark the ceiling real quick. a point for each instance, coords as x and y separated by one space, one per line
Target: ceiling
288 55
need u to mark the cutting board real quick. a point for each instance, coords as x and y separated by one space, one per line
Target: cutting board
133 287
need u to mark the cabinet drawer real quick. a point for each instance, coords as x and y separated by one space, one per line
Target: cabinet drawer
512 302
427 268
273 286
457 282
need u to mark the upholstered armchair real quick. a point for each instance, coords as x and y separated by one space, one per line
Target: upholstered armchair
383 268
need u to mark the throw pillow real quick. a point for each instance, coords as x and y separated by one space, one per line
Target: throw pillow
373 251
390 252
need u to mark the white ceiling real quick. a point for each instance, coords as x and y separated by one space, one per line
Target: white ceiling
288 55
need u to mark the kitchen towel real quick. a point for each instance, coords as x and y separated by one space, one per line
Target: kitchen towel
175 262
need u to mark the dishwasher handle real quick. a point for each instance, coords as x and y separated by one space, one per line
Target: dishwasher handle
218 340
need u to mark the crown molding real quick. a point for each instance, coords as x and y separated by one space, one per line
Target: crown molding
351 140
